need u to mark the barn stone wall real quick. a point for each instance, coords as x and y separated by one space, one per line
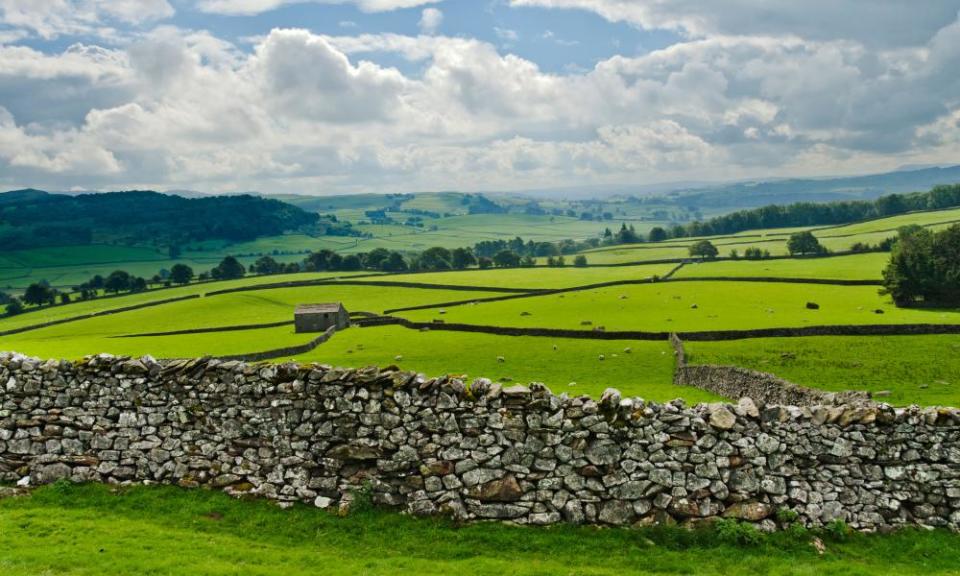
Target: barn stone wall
314 434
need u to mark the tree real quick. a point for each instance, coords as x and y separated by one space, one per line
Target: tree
804 243
704 249
436 258
118 281
580 261
627 235
528 261
924 268
375 258
657 234
395 262
463 258
64 298
138 284
39 294
266 265
506 259
753 253
181 274
14 307
228 269
352 262
485 262
322 261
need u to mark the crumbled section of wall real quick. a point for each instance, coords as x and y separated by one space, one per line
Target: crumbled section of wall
437 446
762 387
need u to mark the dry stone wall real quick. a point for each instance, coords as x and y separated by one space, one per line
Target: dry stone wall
312 433
735 382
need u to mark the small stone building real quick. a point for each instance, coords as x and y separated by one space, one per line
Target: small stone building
320 317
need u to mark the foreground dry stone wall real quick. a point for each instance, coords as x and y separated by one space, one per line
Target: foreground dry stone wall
314 434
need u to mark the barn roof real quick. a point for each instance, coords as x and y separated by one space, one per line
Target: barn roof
318 308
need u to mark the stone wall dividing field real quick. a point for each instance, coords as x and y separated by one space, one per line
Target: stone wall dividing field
315 434
735 382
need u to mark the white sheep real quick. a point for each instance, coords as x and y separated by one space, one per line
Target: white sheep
501 359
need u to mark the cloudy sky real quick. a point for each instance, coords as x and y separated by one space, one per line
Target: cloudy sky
338 96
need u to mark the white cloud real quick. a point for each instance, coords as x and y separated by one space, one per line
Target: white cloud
251 7
430 20
304 76
874 23
309 113
52 18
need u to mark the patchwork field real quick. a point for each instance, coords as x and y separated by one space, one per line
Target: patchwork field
692 306
835 238
170 531
914 369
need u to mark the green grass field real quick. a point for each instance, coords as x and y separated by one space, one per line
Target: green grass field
88 530
692 306
80 308
913 372
921 370
854 267
573 367
835 238
539 278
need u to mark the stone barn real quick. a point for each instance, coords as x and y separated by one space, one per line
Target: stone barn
319 317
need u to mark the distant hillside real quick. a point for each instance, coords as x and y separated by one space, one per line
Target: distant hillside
754 194
32 218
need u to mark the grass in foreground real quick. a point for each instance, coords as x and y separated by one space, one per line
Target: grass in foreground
91 529
921 370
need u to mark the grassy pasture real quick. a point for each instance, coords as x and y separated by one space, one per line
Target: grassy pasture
915 369
76 342
93 335
836 238
80 308
87 530
854 267
539 278
668 306
933 218
646 371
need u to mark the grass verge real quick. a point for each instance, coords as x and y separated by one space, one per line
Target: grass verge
93 529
